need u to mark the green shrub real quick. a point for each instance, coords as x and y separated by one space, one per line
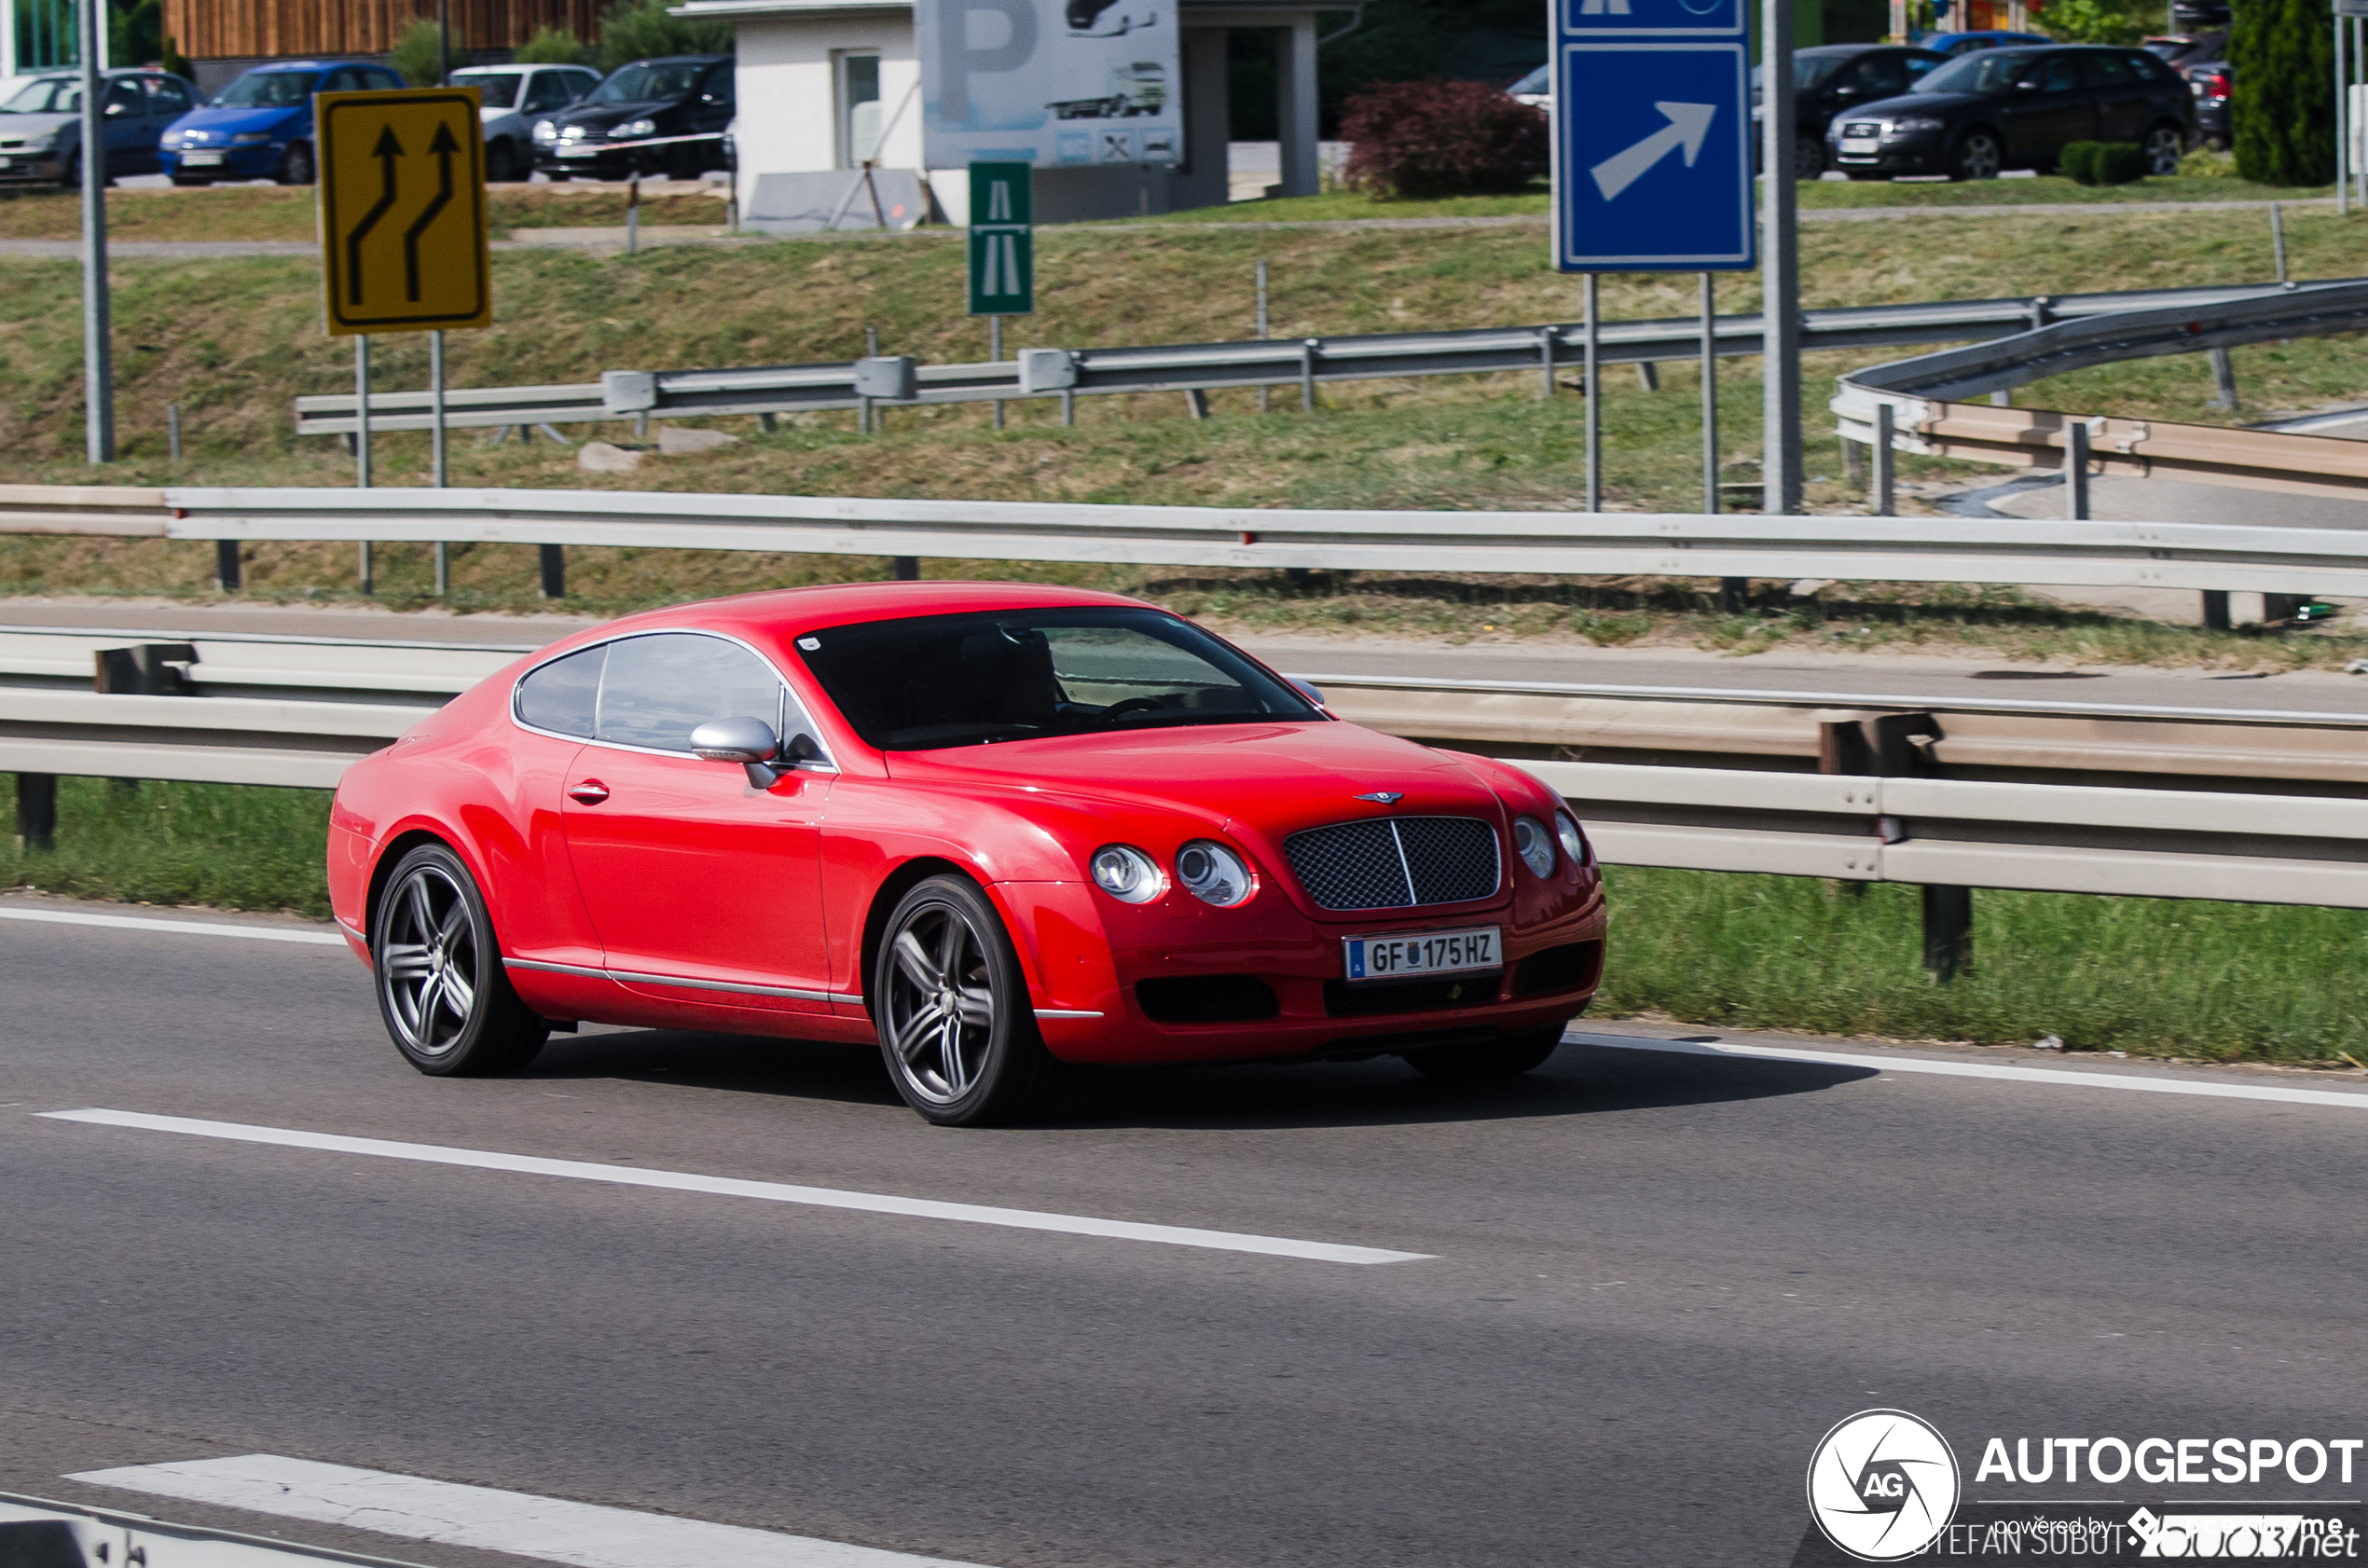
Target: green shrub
2284 120
643 29
2206 164
2078 161
2102 163
417 54
554 45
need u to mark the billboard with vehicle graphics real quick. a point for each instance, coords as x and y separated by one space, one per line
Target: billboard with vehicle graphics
1050 82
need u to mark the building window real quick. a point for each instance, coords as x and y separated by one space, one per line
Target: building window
860 124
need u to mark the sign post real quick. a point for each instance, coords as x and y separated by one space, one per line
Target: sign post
1654 173
403 237
1002 270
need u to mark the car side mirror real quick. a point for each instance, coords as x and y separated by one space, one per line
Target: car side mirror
1307 689
2027 85
115 109
748 741
1845 92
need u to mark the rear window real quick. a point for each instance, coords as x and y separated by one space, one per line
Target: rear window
564 694
497 90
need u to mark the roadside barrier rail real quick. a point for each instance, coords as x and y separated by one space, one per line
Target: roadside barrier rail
37 1532
2211 557
1201 367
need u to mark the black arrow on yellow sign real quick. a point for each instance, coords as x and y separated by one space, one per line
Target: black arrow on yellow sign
386 152
445 148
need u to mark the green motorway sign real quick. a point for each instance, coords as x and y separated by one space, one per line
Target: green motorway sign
1002 240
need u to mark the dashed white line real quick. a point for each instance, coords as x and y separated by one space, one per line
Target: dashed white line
553 1529
177 927
733 1187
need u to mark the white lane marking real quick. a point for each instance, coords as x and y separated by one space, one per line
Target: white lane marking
487 1520
730 1186
2336 1097
178 928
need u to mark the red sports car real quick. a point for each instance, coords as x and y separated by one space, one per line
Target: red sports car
991 826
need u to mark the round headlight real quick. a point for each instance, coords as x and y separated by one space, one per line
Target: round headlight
1574 842
1214 873
546 131
1534 845
1127 874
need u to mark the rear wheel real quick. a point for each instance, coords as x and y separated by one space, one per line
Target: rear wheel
1508 1057
1809 157
2164 146
957 1028
1977 156
442 990
501 164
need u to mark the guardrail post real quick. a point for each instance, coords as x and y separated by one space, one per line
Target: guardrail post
1949 932
1307 352
1262 334
226 572
1545 362
1886 470
172 430
1590 389
1195 404
2224 377
1734 595
2216 610
905 568
1710 397
36 811
152 669
2076 471
1648 375
555 571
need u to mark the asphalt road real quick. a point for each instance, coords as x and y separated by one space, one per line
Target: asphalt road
1653 1280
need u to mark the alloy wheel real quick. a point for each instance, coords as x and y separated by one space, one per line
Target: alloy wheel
428 961
1809 157
2165 148
1978 157
938 1009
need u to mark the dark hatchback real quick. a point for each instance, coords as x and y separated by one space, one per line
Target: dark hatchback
2213 83
653 117
2017 108
1831 78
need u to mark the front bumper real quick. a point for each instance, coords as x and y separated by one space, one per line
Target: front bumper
1892 160
254 161
600 163
22 168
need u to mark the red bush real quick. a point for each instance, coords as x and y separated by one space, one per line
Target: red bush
1417 140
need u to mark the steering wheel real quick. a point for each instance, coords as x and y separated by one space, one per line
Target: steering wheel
1132 704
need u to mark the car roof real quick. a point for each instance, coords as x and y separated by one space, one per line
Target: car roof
784 612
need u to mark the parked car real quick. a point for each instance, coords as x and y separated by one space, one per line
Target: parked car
682 102
2017 108
1537 90
2212 83
41 125
2181 49
512 98
260 127
1061 826
2199 16
1830 78
1955 44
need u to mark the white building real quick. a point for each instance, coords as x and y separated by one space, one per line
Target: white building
824 84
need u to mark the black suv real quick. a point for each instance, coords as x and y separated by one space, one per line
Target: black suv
1830 78
653 116
2017 108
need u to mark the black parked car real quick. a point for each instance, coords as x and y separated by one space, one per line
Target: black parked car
2213 83
2017 108
1830 78
650 118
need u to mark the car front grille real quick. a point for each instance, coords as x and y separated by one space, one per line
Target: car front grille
1396 863
1862 128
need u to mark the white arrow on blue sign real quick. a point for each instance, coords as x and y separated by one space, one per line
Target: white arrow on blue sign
1653 166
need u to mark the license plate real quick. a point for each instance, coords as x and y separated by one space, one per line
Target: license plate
579 152
201 160
1421 953
1859 143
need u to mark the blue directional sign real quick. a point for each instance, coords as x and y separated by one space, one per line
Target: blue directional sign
1653 19
1653 155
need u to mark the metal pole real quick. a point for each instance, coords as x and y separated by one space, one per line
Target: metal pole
435 451
1710 397
633 216
2278 236
1886 500
1307 377
2343 120
1780 268
995 353
1589 345
1262 391
362 412
173 430
2359 167
2076 472
98 358
443 43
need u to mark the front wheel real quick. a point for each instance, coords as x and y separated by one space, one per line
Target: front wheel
442 991
957 1028
295 165
1977 156
1809 157
70 177
1507 1058
2164 146
500 165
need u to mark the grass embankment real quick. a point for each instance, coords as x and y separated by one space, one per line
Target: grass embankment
2193 979
232 341
276 212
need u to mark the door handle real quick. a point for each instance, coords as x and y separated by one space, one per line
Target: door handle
590 793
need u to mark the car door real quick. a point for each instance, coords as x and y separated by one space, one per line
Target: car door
2045 108
130 134
2119 94
702 886
712 110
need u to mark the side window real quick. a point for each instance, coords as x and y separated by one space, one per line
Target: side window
1880 76
721 83
2148 68
550 90
125 100
168 96
562 694
381 81
657 688
2105 70
796 721
1917 64
2061 74
342 81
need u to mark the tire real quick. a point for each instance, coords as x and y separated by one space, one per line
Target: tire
682 164
1863 174
70 177
1508 1057
189 180
957 1028
436 968
1809 157
2164 146
1977 156
500 165
295 165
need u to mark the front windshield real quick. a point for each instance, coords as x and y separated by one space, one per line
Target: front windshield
1539 81
932 682
645 83
498 89
265 90
1990 70
1808 70
49 95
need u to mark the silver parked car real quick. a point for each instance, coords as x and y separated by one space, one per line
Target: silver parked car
514 96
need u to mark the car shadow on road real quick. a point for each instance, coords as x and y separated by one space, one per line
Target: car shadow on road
1579 1079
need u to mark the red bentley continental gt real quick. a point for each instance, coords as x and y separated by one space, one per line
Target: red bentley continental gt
991 826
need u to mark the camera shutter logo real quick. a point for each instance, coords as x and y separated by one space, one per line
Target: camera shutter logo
1883 1485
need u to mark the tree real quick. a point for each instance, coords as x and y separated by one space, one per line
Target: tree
419 54
2098 21
2284 106
554 45
643 29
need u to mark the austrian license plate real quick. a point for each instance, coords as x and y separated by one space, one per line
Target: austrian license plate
201 160
1859 143
578 152
1422 953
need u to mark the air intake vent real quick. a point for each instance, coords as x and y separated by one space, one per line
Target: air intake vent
1396 863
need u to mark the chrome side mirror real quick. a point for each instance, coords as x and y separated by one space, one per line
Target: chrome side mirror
748 741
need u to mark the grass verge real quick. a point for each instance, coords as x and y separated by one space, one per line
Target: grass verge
276 212
232 845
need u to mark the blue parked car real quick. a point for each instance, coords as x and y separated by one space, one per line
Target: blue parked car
260 127
1955 44
41 124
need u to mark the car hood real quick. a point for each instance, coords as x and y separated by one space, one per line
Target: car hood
600 117
36 125
1933 104
262 118
1263 781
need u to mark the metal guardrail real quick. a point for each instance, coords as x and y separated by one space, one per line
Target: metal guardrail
1306 362
36 1530
2198 556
